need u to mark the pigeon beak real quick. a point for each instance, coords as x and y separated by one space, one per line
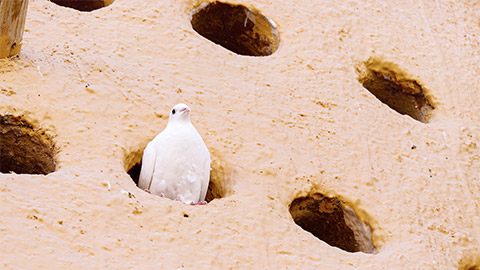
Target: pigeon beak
185 110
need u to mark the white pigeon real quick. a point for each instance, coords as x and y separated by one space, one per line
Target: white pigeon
176 163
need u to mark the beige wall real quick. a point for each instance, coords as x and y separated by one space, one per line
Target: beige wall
294 123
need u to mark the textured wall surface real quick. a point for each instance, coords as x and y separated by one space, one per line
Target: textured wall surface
100 85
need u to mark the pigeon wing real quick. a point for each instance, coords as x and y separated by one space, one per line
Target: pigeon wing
205 178
148 165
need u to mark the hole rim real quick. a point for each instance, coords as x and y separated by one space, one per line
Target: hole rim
392 87
220 182
361 239
254 21
30 142
83 5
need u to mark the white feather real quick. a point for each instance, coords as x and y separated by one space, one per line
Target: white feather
176 163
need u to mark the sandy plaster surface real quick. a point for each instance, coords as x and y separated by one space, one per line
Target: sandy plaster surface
278 127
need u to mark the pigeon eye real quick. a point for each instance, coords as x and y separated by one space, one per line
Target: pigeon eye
173 111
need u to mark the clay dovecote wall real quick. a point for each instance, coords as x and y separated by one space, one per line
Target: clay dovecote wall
343 134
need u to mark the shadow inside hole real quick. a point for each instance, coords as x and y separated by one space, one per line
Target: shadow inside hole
332 222
83 5
134 172
217 188
471 262
402 95
236 28
24 150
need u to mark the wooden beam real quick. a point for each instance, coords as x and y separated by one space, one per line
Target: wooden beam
12 23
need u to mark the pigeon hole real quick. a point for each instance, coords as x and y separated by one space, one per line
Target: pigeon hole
237 28
331 221
470 262
216 187
405 96
23 149
83 5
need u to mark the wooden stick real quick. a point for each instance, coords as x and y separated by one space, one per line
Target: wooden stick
12 23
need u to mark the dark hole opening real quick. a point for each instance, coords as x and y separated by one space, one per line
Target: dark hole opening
134 172
24 150
470 262
217 187
81 5
402 95
332 222
236 28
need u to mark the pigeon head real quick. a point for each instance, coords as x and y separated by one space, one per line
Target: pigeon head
179 113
